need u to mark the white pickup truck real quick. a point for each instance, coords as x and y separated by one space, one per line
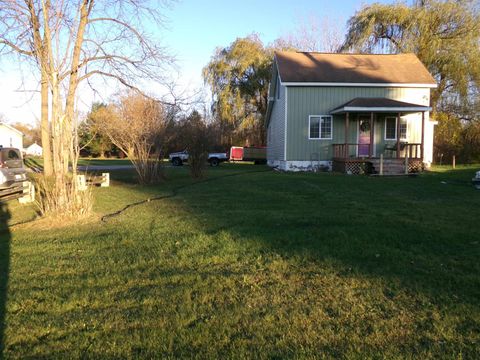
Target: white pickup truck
214 159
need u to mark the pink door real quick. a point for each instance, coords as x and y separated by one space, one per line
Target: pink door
363 136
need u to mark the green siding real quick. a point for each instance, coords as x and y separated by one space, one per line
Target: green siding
305 101
276 129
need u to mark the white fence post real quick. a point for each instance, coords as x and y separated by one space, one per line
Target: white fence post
406 162
81 182
381 164
29 193
105 180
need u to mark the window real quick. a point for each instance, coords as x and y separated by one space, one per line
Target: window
403 129
391 128
320 127
13 155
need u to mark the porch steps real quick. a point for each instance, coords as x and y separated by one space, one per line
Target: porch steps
390 166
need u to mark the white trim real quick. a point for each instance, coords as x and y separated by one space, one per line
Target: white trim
278 69
278 86
286 112
320 127
340 84
381 109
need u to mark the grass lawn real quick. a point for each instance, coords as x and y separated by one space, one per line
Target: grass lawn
103 162
257 265
36 161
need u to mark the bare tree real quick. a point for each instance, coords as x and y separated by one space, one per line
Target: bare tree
70 42
314 34
136 125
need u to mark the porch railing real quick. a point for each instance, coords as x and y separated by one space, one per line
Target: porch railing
350 150
355 150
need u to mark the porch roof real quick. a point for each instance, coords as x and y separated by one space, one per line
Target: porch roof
379 105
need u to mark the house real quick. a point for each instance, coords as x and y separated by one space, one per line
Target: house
34 150
345 111
10 137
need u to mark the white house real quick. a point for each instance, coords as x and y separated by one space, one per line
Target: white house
34 150
10 137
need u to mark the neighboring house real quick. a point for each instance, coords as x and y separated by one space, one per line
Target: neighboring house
10 137
34 150
343 111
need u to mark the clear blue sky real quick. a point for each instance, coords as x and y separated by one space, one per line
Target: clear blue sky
197 27
194 29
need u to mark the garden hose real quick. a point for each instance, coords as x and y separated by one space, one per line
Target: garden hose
175 190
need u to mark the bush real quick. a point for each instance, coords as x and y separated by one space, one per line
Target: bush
196 135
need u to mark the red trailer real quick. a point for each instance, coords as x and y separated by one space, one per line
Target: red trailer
257 154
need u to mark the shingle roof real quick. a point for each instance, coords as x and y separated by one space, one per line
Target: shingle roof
380 105
309 67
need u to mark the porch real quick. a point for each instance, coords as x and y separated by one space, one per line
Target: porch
384 151
377 165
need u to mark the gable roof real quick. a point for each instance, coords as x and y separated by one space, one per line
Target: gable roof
302 68
379 105
33 146
11 128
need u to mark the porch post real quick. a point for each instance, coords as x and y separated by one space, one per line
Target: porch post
346 134
398 135
372 130
422 147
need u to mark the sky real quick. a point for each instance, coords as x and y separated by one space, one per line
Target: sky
193 30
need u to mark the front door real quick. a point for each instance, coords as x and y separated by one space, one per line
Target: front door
363 136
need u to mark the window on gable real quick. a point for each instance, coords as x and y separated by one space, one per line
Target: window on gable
320 127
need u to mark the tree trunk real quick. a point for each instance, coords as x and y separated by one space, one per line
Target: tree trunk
45 128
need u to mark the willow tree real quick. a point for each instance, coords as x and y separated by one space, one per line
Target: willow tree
238 76
445 35
72 42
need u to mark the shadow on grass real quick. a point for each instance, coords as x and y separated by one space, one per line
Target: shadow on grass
4 270
415 234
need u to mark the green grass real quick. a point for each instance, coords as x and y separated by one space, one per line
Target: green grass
259 265
103 162
38 162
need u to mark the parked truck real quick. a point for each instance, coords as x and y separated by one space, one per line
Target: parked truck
257 154
214 159
12 171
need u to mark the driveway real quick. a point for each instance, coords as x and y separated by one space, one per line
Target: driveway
104 167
